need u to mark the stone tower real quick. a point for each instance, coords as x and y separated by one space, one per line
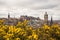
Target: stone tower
8 16
46 18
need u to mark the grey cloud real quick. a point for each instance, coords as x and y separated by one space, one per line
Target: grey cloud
39 4
30 2
3 14
2 2
44 7
40 0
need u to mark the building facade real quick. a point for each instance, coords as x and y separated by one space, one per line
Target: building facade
46 18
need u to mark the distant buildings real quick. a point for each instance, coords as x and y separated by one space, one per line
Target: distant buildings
33 21
9 20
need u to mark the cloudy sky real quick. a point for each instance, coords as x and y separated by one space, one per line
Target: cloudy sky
35 8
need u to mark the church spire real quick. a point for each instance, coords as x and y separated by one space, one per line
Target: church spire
8 15
51 22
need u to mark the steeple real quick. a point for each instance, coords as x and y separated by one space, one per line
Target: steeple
51 22
8 15
46 18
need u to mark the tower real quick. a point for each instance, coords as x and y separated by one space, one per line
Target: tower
51 22
46 18
8 16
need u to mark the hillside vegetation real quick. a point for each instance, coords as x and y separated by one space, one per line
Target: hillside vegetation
22 31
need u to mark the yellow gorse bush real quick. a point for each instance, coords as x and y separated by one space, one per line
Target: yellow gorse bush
22 31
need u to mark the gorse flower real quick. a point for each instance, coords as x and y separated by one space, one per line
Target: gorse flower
22 31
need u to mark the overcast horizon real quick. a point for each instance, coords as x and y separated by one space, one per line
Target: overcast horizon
36 8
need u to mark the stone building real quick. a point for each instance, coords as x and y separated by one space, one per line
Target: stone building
46 18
